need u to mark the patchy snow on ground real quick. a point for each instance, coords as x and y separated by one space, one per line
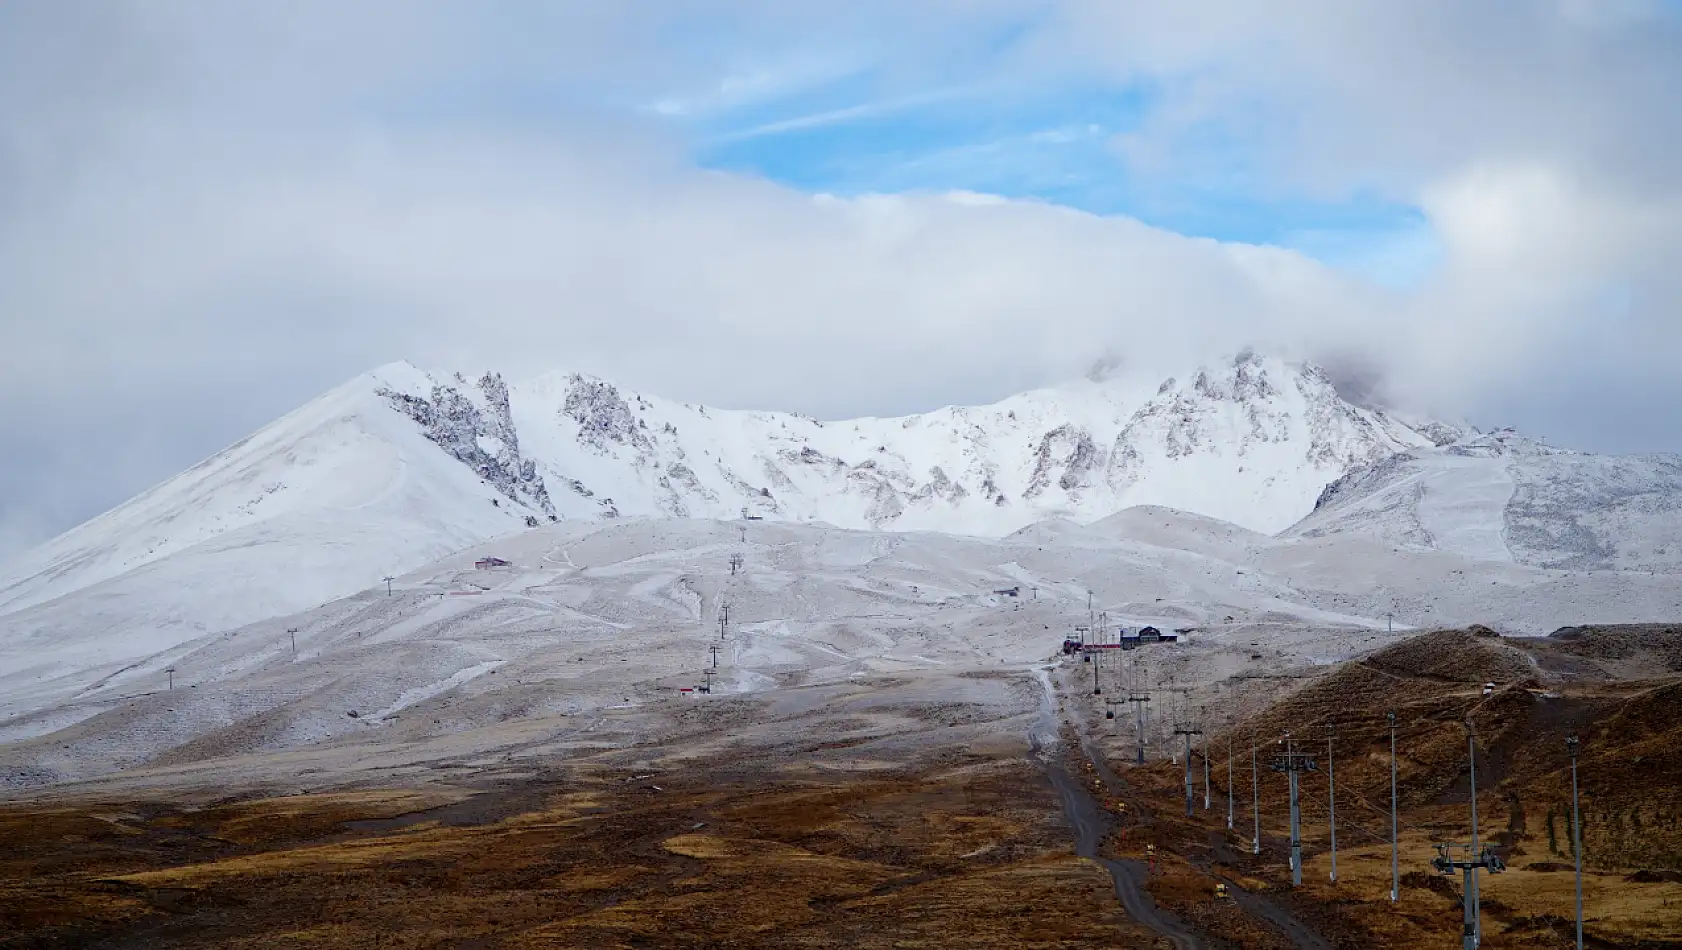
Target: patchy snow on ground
626 616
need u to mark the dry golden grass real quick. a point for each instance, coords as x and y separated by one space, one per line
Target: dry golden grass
854 861
1614 910
302 817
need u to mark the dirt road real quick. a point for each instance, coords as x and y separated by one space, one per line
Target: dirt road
1084 815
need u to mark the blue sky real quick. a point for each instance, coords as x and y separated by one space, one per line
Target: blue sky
1054 141
254 202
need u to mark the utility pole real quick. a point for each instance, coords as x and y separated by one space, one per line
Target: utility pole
1139 708
1395 860
388 579
1203 715
1145 722
1472 873
1293 763
1255 797
1576 837
1331 796
1229 779
1469 867
1190 788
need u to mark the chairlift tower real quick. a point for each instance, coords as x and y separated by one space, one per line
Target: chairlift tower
1576 837
714 648
1293 764
1188 731
735 563
1203 715
1139 702
1472 761
1395 865
1475 859
1255 797
1229 806
1331 796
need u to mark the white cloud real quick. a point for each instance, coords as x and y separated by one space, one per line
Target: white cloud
205 220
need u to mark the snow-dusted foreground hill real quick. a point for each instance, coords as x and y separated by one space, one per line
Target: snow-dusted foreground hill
592 617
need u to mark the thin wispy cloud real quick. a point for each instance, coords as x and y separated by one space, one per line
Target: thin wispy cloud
854 113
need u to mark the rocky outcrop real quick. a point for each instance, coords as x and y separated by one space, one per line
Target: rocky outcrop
1066 453
603 416
481 437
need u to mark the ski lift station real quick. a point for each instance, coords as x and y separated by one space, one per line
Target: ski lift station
1124 641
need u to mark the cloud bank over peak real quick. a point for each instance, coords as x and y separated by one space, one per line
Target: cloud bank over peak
209 216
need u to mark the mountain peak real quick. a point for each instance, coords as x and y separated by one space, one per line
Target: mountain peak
400 467
1250 439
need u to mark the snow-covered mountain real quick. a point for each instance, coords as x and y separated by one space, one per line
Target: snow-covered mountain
1504 497
398 467
1252 441
436 463
1248 492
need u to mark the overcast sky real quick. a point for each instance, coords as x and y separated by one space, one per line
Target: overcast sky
210 212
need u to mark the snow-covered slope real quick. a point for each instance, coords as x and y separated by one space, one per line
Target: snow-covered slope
346 453
1503 497
592 617
325 501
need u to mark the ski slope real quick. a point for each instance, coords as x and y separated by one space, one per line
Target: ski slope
597 617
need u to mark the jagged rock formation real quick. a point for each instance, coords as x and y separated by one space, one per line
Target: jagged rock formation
1253 440
481 437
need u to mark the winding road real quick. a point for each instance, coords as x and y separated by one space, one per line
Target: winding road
1087 818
